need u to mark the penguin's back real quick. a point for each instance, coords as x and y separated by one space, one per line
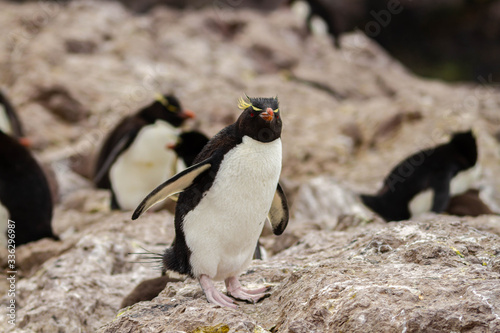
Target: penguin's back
24 192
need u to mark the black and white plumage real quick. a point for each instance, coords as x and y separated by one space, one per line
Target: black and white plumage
134 159
224 200
425 181
189 145
9 120
25 196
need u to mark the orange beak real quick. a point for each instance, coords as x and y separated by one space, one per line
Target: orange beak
267 115
24 141
170 146
187 114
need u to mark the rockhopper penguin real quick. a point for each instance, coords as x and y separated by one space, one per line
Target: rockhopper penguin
426 180
224 200
134 159
25 196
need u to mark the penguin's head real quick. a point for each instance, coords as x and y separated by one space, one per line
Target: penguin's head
189 144
260 119
167 108
465 144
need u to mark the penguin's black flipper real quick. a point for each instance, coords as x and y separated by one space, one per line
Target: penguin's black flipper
278 214
174 185
115 143
113 155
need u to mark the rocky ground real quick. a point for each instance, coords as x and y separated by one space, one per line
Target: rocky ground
349 116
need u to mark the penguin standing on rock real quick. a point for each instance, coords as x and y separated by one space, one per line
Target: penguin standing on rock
25 196
224 200
426 180
133 159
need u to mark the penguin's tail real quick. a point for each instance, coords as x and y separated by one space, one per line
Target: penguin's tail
370 201
172 262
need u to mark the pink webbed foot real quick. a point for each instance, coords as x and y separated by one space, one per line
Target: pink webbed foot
235 289
213 295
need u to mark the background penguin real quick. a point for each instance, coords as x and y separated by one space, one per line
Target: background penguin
133 159
9 120
224 200
426 180
25 196
189 145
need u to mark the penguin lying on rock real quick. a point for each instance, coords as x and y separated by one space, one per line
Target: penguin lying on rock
224 200
133 159
25 196
426 180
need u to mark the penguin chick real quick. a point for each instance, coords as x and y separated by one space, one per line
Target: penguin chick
25 196
133 158
224 200
433 169
189 145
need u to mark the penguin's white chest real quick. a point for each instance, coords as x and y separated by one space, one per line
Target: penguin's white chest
4 220
223 229
145 164
463 181
5 125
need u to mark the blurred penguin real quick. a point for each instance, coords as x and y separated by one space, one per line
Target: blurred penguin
427 180
25 197
189 145
133 159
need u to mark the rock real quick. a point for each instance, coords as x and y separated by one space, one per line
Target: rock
410 276
147 290
392 125
61 102
82 288
323 201
353 131
80 46
334 268
468 203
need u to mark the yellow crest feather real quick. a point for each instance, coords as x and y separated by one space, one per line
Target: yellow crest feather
160 98
242 104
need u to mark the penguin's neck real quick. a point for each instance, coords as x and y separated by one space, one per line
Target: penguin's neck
5 125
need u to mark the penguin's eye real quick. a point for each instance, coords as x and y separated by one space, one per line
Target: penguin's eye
171 108
256 108
252 114
276 111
